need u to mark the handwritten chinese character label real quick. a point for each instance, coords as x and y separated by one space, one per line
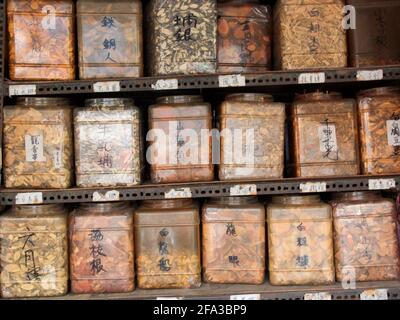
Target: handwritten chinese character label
183 27
302 261
30 263
393 133
108 22
314 29
34 148
104 148
96 251
234 260
301 227
231 230
328 140
164 263
302 242
380 24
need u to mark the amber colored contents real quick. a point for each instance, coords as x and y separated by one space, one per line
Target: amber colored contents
167 242
34 251
180 140
108 143
379 122
101 246
366 245
110 39
233 241
376 39
41 39
324 136
244 36
300 241
258 158
308 34
38 146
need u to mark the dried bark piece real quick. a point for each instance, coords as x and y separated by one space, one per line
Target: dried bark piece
41 39
34 252
110 38
38 146
182 37
308 34
233 242
101 248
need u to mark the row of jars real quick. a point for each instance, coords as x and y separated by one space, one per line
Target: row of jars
109 147
193 37
351 239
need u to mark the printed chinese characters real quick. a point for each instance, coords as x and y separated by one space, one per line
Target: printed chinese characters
104 149
163 249
303 260
394 133
33 271
184 26
109 44
96 251
314 29
328 140
231 230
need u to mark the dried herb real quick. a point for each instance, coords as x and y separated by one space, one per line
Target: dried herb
233 245
34 252
244 37
300 241
101 245
107 143
309 34
182 37
41 39
366 245
110 38
38 146
325 135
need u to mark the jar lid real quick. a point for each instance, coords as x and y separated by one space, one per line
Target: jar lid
179 99
104 206
250 97
109 102
308 199
38 209
360 195
381 91
318 96
234 200
167 204
42 101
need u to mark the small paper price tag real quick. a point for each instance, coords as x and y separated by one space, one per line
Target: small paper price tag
109 86
244 190
246 297
22 90
234 80
313 187
181 193
318 296
315 77
29 198
381 184
378 294
166 84
112 195
370 75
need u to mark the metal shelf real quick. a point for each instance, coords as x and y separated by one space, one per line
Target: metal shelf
200 190
269 79
261 292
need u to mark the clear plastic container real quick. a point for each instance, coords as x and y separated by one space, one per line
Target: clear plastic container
110 38
244 36
300 241
180 138
233 243
261 158
366 244
101 248
38 146
325 136
34 251
41 39
167 242
375 40
379 122
308 34
182 37
108 143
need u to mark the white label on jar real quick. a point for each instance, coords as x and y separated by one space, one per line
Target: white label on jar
234 80
49 21
318 296
327 138
57 159
109 86
180 193
313 187
166 84
34 148
381 184
370 75
246 297
315 77
378 294
29 198
112 195
22 90
244 190
393 132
